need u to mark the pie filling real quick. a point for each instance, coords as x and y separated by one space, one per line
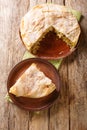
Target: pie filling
51 46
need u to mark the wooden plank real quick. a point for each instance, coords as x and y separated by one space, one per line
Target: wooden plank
11 117
60 2
77 73
39 120
41 1
59 113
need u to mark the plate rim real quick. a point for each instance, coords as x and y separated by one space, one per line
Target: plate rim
28 60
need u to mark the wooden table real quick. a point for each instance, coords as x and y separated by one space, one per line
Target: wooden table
70 110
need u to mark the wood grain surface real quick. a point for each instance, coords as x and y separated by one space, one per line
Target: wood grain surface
70 110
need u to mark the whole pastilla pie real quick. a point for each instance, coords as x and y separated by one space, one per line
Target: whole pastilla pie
45 18
33 83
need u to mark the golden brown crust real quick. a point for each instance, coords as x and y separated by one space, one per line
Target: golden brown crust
33 83
42 18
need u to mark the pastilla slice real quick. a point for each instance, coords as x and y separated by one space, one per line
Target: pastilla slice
33 83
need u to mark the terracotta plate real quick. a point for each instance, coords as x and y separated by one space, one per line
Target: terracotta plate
34 103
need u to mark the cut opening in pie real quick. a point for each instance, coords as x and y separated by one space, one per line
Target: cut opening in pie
52 44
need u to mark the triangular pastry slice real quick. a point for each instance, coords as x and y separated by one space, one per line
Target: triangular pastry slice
33 83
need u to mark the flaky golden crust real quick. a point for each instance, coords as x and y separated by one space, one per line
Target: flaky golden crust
33 83
42 18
